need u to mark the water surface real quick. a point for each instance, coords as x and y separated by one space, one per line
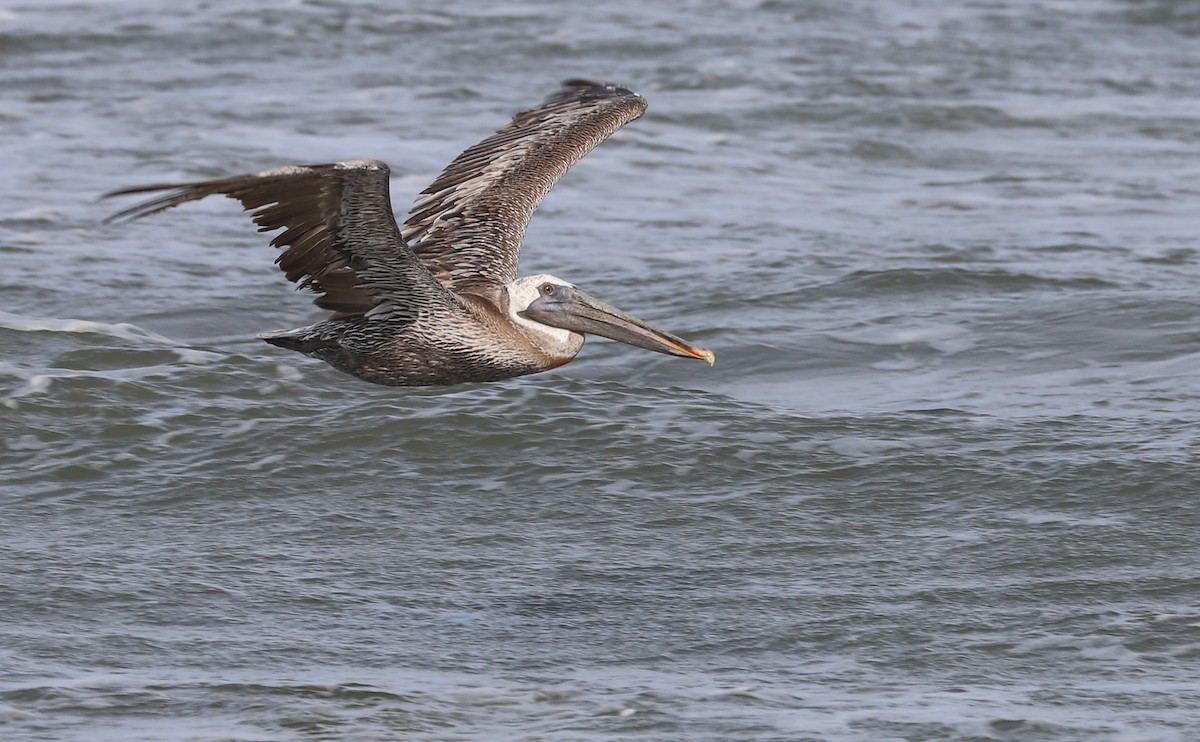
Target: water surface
940 484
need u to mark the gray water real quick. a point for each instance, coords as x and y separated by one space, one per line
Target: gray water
940 485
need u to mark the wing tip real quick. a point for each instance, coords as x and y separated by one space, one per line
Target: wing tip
579 88
177 193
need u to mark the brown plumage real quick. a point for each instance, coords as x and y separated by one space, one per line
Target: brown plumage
439 301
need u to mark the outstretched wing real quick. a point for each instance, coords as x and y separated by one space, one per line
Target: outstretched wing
468 224
340 237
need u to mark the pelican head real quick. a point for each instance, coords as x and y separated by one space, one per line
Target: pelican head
562 313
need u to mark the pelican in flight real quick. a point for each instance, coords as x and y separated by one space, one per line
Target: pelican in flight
437 301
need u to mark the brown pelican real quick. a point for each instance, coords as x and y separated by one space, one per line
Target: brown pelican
437 301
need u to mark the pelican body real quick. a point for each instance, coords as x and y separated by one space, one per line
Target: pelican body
437 301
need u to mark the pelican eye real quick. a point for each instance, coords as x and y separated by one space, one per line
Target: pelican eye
547 289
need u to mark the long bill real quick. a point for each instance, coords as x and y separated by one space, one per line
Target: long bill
579 311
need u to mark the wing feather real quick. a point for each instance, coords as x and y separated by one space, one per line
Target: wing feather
467 226
339 239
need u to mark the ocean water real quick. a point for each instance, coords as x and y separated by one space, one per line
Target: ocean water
941 483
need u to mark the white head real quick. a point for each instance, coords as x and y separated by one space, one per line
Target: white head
524 291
